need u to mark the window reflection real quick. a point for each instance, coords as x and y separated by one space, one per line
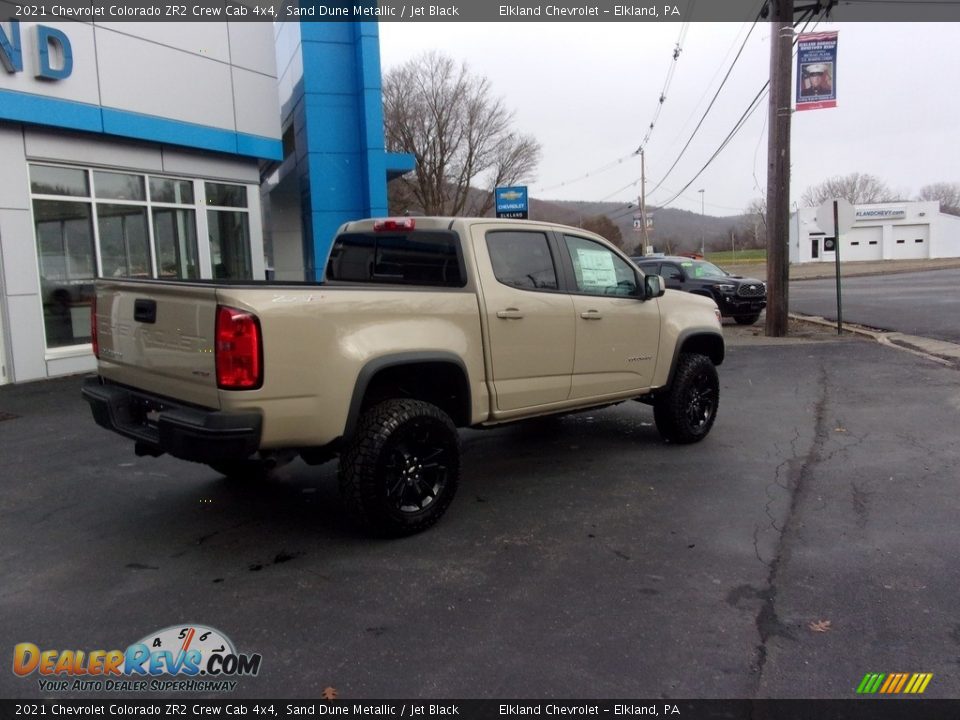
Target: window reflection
67 269
124 248
118 186
230 244
175 238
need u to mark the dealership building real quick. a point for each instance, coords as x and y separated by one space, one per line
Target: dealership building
881 231
175 151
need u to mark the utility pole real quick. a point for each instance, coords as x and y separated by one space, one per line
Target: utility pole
643 204
778 166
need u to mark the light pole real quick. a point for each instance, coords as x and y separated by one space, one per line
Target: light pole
702 246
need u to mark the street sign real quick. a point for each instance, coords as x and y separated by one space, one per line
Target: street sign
846 216
512 202
835 217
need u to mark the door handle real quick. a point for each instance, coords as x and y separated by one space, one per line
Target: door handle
592 315
510 314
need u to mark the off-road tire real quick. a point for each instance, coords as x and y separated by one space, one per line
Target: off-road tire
686 412
746 319
400 470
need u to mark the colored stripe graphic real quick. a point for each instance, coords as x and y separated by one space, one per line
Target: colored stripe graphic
903 680
870 683
894 683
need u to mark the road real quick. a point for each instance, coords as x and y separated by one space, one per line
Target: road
923 303
810 539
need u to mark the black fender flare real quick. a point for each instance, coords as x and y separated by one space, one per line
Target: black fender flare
384 362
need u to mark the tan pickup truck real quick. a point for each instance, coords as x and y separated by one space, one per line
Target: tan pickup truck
422 325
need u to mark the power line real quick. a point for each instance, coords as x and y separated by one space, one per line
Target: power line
678 48
709 107
740 123
720 66
754 104
597 171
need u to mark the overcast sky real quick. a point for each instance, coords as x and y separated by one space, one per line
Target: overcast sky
588 92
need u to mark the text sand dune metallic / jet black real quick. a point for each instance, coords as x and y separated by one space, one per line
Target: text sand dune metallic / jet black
740 298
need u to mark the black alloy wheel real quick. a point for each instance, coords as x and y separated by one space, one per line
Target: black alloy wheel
400 470
686 412
699 402
416 465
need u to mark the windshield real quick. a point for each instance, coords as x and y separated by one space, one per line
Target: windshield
703 269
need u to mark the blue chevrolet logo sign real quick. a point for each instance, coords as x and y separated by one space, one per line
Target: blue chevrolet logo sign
512 202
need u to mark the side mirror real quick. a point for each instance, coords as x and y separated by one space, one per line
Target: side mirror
653 287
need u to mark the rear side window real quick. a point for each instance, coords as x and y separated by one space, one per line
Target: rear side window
671 272
522 259
421 257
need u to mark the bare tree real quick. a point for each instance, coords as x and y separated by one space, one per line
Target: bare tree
855 188
604 227
459 133
947 194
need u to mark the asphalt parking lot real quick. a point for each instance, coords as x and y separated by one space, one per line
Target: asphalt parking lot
810 539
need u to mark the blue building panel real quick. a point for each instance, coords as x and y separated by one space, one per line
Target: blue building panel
329 67
146 127
335 123
261 147
30 108
336 182
333 32
369 46
400 164
343 130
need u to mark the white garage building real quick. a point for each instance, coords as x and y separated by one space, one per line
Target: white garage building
882 231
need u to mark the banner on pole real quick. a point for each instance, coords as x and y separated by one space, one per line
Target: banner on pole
816 71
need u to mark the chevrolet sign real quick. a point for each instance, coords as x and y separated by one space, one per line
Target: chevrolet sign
512 202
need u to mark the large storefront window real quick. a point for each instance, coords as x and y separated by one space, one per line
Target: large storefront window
67 268
229 231
175 236
99 223
124 247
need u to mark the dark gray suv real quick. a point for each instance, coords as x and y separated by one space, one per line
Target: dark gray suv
737 297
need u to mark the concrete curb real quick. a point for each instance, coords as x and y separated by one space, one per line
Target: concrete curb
938 351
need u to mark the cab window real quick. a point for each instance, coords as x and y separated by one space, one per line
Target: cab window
522 259
598 270
671 272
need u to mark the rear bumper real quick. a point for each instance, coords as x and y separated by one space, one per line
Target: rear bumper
159 425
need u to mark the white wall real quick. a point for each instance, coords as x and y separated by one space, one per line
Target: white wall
940 233
215 74
945 236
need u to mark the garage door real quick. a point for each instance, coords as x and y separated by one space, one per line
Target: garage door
911 241
863 243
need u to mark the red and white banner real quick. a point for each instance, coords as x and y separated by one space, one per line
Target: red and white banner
816 71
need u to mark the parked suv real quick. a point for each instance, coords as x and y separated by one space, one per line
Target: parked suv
737 297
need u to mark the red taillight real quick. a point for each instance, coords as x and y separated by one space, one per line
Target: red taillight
393 224
93 328
238 350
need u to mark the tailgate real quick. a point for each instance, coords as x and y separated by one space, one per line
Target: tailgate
159 337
